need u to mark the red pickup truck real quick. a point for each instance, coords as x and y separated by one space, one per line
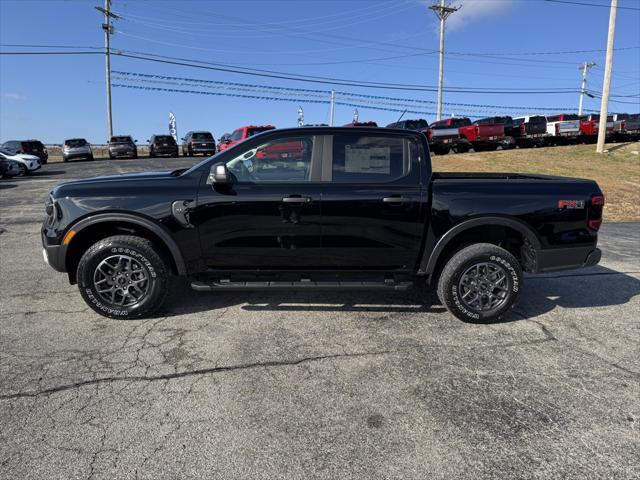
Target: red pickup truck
242 133
590 124
487 136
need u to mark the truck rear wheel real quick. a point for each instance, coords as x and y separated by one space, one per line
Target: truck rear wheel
123 277
480 283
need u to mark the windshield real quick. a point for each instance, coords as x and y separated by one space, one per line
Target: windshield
203 136
5 152
75 142
32 145
121 140
253 131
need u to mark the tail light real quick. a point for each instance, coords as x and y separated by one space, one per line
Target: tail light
557 129
522 129
477 130
623 125
594 220
430 134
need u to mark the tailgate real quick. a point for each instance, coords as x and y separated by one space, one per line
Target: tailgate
491 132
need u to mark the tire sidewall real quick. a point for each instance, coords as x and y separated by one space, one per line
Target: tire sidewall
451 291
148 259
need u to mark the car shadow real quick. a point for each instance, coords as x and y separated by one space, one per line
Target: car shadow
573 289
46 173
589 288
7 186
184 300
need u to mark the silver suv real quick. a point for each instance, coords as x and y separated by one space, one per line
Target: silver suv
76 148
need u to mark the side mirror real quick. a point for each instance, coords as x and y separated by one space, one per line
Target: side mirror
135 141
219 174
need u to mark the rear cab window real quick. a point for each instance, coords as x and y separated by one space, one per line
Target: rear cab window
366 158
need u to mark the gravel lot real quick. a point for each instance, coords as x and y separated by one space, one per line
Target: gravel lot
313 385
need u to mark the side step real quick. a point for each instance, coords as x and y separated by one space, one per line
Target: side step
300 285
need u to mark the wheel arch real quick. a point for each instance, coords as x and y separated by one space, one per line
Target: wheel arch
94 228
431 262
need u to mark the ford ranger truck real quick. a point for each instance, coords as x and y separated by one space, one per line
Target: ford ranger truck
482 137
350 208
563 128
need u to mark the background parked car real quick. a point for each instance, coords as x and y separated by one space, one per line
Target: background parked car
563 128
223 140
632 126
122 146
26 163
444 136
242 133
532 130
418 124
194 143
28 147
511 131
8 168
162 145
361 124
76 148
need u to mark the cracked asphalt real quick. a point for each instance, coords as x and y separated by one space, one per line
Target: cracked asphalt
313 385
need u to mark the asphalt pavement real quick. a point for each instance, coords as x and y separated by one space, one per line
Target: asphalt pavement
306 385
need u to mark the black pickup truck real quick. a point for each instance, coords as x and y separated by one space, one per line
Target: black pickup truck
319 207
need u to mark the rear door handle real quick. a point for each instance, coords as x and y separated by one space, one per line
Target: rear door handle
296 199
397 199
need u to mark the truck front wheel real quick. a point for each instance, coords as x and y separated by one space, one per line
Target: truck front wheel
124 277
480 283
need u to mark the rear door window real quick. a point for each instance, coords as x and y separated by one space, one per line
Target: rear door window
368 159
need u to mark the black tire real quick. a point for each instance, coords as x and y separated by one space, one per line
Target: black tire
148 273
23 171
111 157
457 279
65 159
151 154
461 148
479 148
91 158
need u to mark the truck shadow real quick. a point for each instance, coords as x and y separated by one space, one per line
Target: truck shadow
590 288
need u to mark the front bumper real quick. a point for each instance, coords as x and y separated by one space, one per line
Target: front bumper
566 258
54 255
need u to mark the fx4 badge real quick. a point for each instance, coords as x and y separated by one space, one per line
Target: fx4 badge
573 204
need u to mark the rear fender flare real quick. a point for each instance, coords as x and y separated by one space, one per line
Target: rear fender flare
429 261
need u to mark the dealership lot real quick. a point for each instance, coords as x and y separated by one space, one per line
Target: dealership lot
309 384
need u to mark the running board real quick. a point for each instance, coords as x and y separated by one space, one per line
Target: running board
303 284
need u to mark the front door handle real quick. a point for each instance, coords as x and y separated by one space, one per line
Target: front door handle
397 199
296 199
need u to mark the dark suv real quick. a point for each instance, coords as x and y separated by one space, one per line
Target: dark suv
122 146
29 147
198 142
163 145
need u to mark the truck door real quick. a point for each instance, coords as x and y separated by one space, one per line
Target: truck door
269 217
373 203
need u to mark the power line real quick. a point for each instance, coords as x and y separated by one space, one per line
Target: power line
310 79
590 4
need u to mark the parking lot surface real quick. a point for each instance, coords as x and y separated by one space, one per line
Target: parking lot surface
264 385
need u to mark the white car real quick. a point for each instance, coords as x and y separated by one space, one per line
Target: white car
26 163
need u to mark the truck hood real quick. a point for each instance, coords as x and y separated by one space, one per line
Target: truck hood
124 177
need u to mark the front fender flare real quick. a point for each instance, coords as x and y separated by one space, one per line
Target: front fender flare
430 260
150 225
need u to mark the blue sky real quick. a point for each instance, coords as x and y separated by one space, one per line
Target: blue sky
495 44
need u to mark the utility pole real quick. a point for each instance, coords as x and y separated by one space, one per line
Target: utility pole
604 105
442 11
583 86
333 101
108 30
